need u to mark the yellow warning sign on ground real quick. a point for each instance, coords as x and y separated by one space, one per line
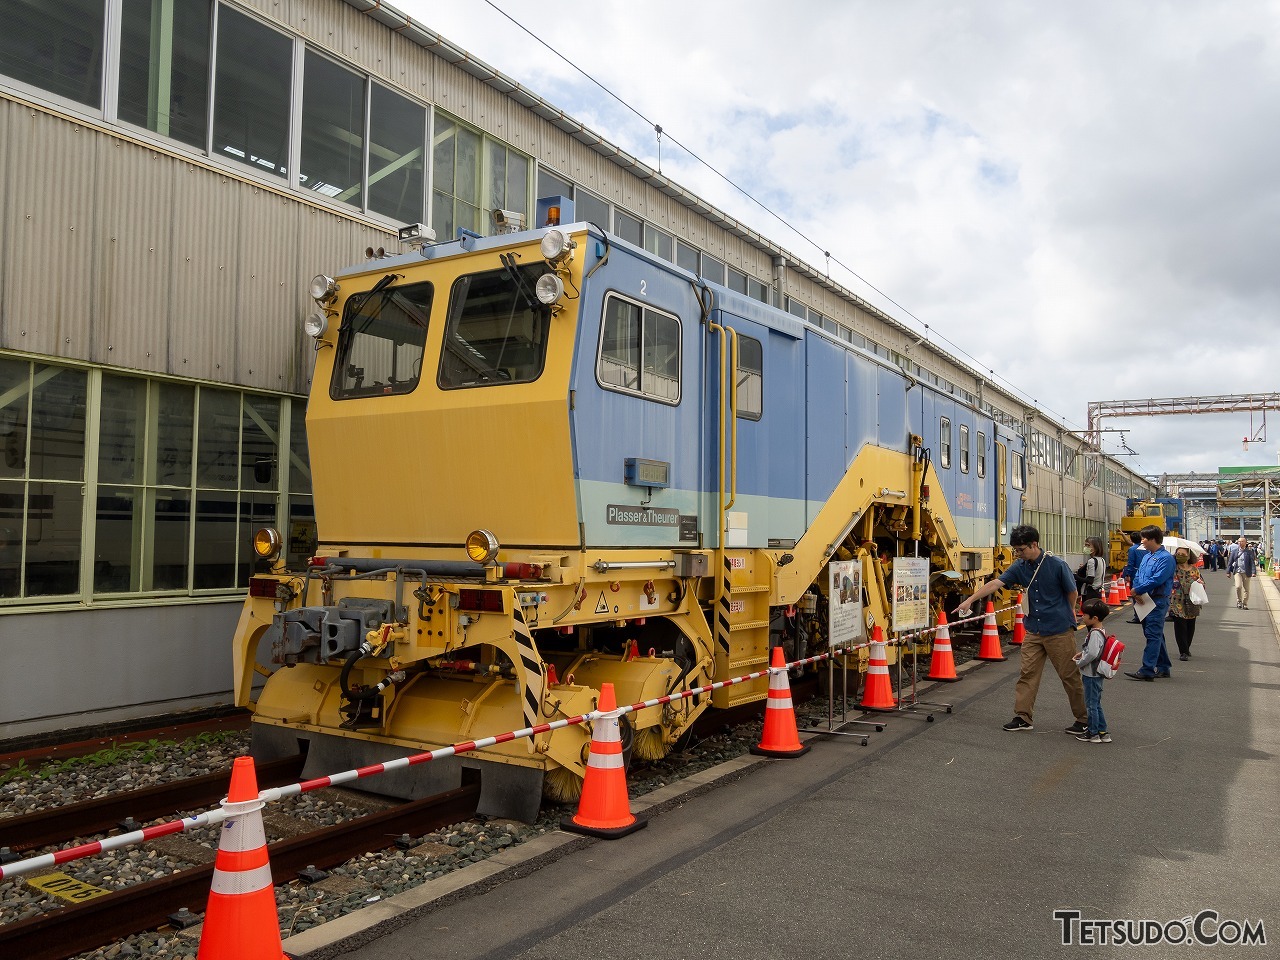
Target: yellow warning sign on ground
66 888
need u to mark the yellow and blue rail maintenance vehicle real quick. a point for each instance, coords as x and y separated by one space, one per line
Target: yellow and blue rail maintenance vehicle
548 459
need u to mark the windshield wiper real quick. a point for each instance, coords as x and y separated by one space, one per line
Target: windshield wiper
509 262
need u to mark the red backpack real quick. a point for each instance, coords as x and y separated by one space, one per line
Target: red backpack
1108 662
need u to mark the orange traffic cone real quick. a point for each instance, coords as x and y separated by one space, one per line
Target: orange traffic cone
878 692
989 649
1113 595
943 664
781 738
604 810
1124 590
1019 624
241 922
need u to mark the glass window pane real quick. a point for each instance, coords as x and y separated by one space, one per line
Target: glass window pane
518 183
54 46
750 381
299 465
15 386
737 280
174 435
332 161
397 128
122 430
620 345
442 154
497 156
628 227
796 308
588 208
661 374
215 540
381 343
551 184
687 257
170 512
466 185
118 540
759 291
467 217
164 67
442 215
12 497
260 444
251 108
658 243
54 517
57 424
494 334
302 531
218 456
712 269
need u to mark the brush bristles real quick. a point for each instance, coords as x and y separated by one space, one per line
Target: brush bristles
649 744
561 785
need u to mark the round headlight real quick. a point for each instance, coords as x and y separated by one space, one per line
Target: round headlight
323 289
482 546
549 288
267 543
555 246
315 325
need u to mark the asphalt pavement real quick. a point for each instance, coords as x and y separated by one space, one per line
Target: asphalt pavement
950 839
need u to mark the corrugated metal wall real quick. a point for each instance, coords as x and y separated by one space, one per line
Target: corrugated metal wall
115 253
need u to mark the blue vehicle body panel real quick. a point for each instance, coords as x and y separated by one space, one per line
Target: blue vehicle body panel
823 400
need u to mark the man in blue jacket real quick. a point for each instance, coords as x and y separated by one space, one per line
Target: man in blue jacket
1154 581
1131 564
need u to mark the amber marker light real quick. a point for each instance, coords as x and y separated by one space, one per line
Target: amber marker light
267 543
482 546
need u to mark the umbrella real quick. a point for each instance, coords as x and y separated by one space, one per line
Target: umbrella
1179 543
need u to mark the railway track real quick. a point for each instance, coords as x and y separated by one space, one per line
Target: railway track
150 905
144 906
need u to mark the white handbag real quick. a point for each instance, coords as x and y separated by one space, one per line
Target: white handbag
1198 594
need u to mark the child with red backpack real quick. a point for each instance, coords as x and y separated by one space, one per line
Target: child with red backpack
1097 660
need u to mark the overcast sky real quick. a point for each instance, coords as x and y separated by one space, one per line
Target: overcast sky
1084 196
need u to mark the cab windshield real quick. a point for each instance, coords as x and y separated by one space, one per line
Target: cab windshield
496 332
380 347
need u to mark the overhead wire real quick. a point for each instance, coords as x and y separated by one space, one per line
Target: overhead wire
825 251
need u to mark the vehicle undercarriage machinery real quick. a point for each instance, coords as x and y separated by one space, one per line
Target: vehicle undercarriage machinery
547 460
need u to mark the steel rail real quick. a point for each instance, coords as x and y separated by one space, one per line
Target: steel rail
147 906
102 814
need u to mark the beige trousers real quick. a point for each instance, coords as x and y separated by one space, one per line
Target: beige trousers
1058 648
1242 589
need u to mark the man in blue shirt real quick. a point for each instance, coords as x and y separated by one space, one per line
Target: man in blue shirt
1154 581
1050 625
1131 563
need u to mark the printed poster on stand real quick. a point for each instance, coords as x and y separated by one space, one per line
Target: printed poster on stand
910 593
844 599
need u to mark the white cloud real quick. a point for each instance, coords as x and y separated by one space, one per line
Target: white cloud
1084 196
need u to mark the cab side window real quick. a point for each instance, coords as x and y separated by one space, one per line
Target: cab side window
639 351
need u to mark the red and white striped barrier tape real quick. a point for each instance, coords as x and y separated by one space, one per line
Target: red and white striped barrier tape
214 817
